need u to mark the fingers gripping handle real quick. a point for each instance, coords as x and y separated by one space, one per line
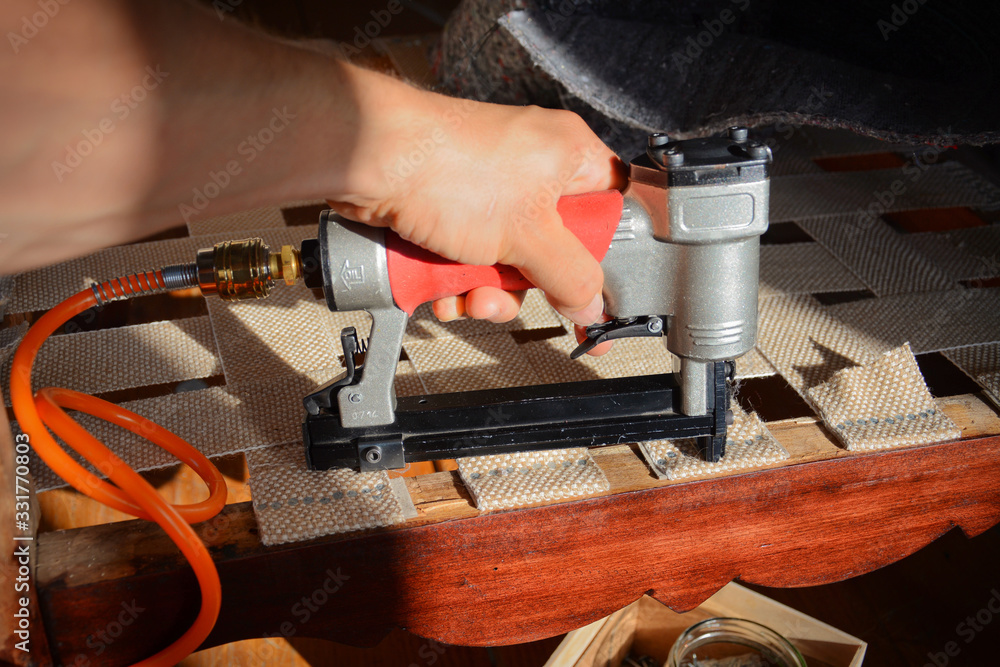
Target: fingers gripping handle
417 276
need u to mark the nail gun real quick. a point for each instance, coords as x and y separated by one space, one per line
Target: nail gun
679 250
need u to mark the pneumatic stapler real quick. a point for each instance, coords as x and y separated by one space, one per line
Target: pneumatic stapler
679 249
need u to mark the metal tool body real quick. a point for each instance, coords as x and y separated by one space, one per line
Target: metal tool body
680 256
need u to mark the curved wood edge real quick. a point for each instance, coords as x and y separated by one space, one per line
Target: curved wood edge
527 574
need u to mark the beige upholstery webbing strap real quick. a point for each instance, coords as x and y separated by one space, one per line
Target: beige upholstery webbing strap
928 322
753 364
882 258
467 364
982 364
294 503
963 254
126 357
506 481
749 445
285 334
803 268
551 363
806 344
816 195
882 404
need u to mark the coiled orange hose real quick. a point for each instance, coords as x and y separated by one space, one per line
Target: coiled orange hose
130 492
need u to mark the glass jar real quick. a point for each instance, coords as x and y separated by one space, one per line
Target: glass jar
733 642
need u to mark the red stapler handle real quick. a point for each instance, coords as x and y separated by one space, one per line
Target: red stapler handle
417 276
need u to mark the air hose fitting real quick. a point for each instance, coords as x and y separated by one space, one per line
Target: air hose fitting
245 269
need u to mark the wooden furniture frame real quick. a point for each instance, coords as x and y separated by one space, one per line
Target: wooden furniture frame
461 577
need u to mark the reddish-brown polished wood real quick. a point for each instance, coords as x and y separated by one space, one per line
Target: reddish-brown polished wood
522 575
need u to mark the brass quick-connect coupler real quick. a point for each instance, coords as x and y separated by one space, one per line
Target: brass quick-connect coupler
245 269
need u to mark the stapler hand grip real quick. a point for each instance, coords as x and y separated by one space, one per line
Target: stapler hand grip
417 275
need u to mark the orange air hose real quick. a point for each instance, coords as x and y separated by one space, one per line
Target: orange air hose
129 492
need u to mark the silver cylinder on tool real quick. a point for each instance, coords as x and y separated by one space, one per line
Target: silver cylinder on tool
688 249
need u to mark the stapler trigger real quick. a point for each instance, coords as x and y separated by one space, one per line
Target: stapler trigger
322 398
632 327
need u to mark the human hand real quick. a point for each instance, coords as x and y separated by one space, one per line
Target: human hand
478 183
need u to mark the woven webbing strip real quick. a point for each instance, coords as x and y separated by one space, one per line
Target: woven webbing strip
803 268
287 333
466 364
982 364
929 322
506 481
817 195
219 420
884 259
6 290
959 256
134 356
11 336
749 445
882 404
806 344
294 503
795 148
753 365
982 243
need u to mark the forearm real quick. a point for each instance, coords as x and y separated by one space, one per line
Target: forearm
118 123
119 119
239 103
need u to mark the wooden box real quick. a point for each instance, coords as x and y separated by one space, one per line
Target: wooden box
650 628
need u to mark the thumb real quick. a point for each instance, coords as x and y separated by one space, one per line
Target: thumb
555 261
603 172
